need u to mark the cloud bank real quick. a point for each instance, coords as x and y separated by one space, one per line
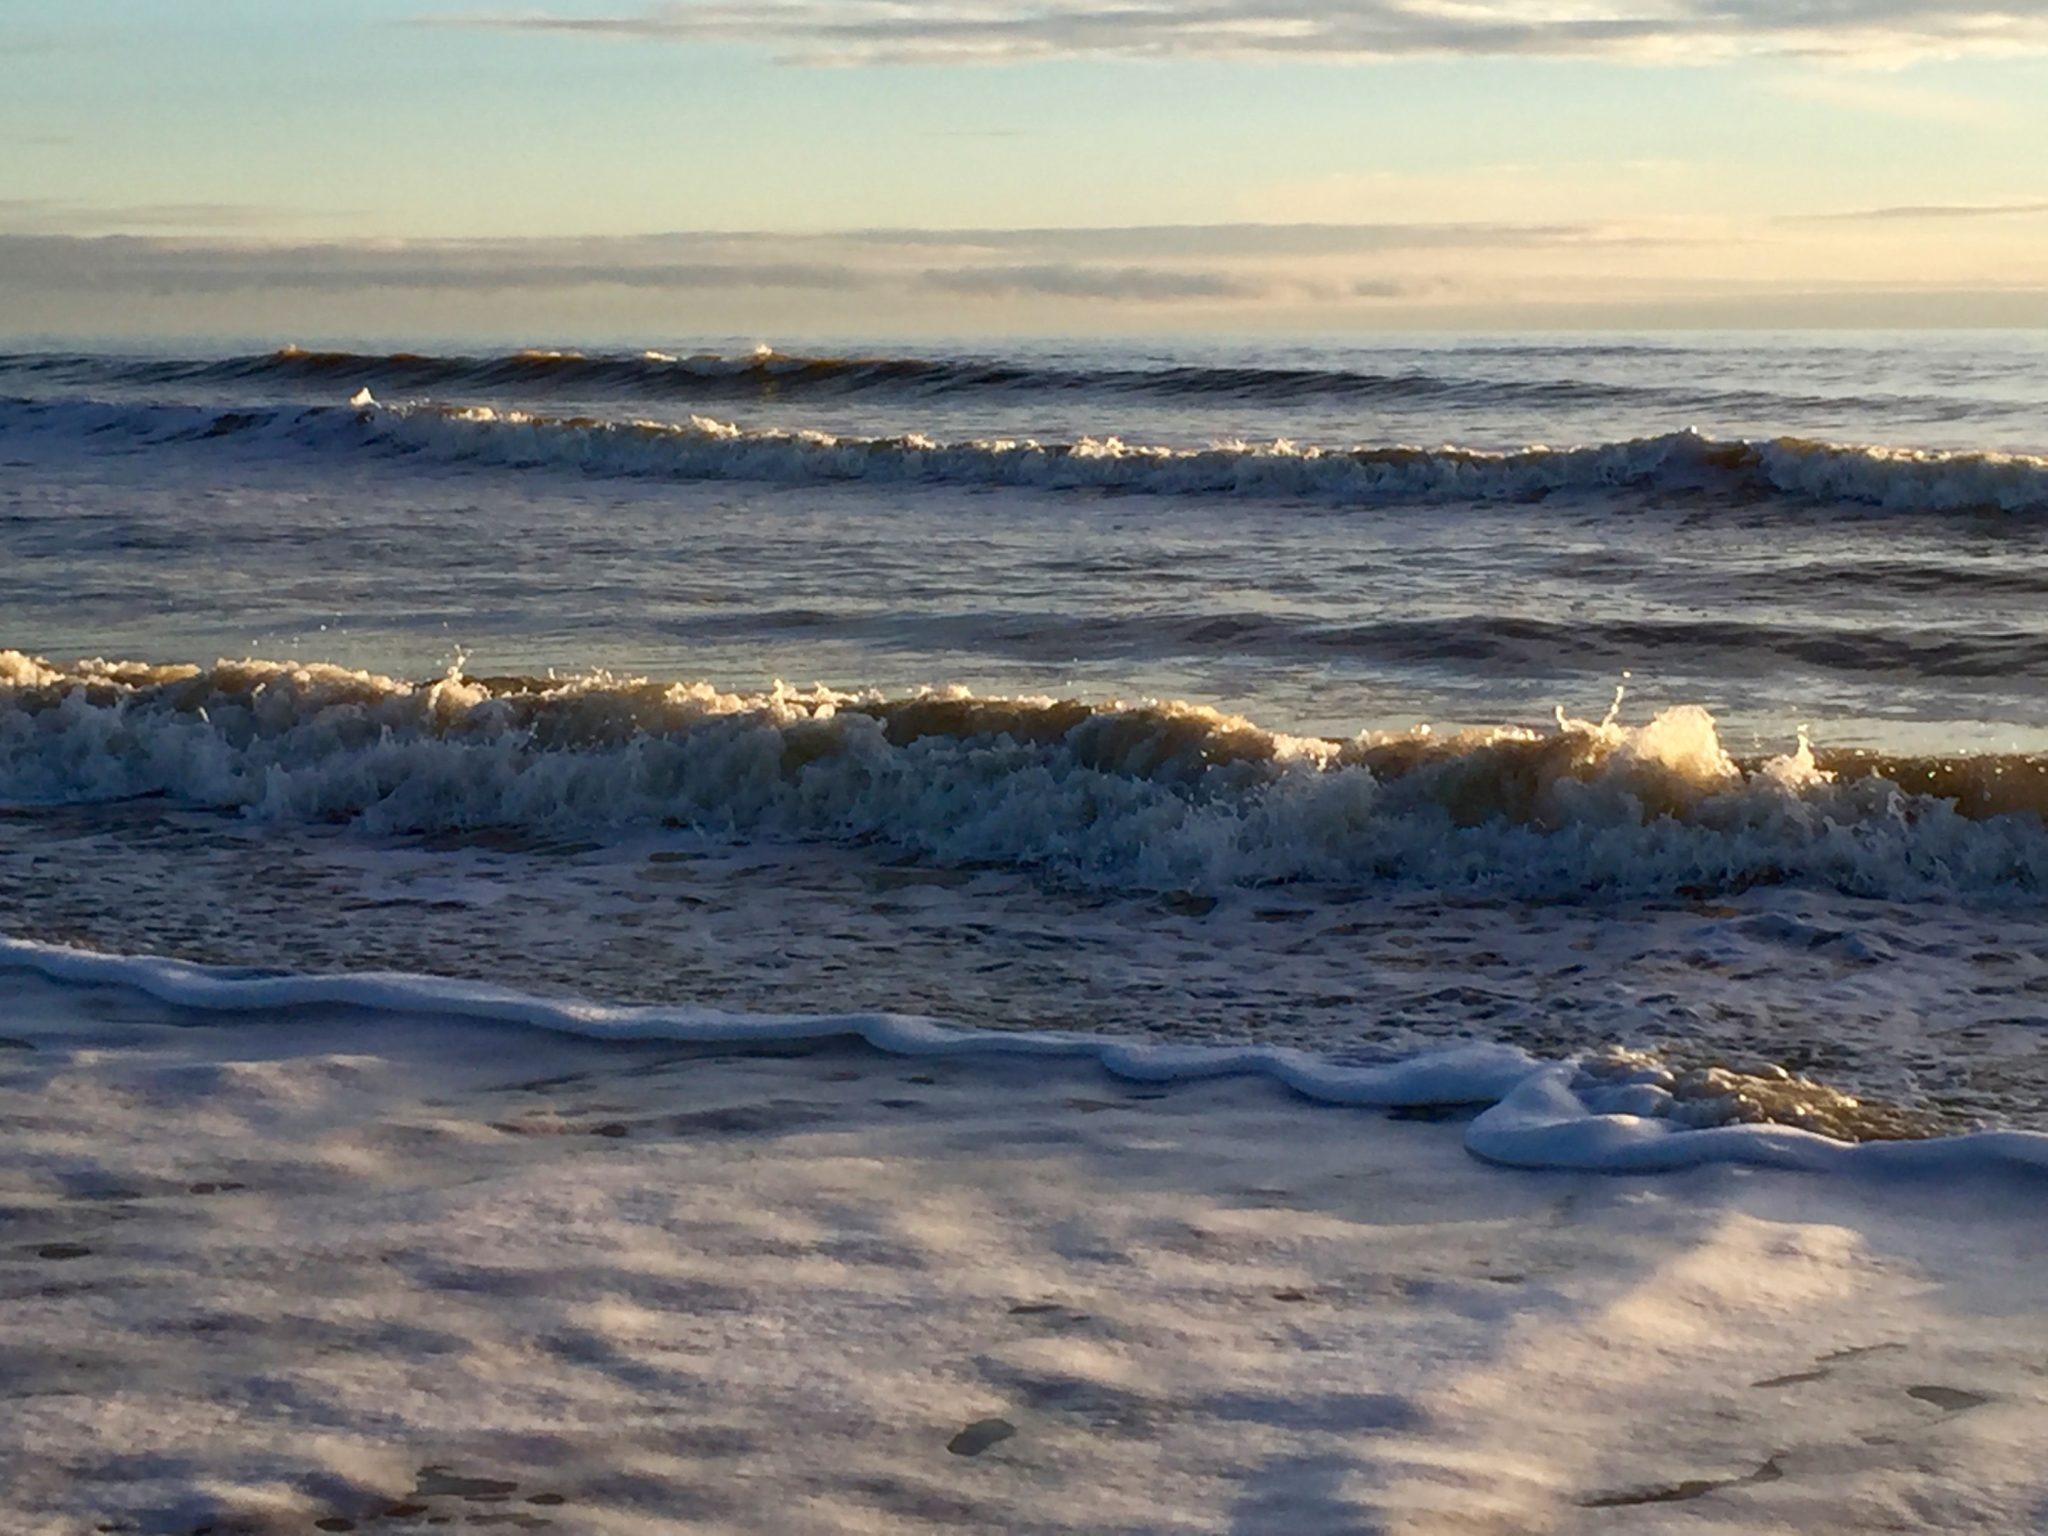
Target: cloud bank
1921 212
1144 265
1884 266
1014 31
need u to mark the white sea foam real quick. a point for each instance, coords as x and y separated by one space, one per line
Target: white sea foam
1547 1122
1542 1115
1167 796
1149 796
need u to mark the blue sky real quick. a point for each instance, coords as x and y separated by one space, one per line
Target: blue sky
1515 163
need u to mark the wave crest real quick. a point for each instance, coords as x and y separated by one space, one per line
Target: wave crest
1160 795
765 372
1675 466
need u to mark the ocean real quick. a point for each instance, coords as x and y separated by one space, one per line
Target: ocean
725 938
1168 691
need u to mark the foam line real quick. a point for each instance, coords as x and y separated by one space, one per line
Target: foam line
1536 1120
1466 1075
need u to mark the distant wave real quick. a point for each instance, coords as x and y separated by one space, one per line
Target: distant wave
1673 465
1166 796
1500 643
768 374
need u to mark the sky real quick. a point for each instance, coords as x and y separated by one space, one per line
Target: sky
571 169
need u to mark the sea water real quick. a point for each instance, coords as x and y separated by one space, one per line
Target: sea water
1670 708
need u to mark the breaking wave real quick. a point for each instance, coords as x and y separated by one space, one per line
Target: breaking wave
1165 796
1675 465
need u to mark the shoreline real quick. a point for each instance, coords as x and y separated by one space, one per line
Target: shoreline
320 1265
1613 1113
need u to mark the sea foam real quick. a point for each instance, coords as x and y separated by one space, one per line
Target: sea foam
1152 796
1540 1114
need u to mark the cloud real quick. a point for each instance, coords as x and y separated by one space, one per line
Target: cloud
1141 285
897 262
1217 241
1146 265
903 280
634 289
1012 31
169 266
1918 212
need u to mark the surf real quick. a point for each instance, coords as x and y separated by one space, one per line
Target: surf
1155 795
1676 466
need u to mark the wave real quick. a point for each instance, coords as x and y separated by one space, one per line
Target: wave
765 371
1155 796
1611 1113
764 374
1502 643
1674 466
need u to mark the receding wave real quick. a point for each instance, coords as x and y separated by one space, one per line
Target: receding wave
1674 466
1166 796
767 374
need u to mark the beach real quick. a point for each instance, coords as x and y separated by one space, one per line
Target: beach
353 1268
